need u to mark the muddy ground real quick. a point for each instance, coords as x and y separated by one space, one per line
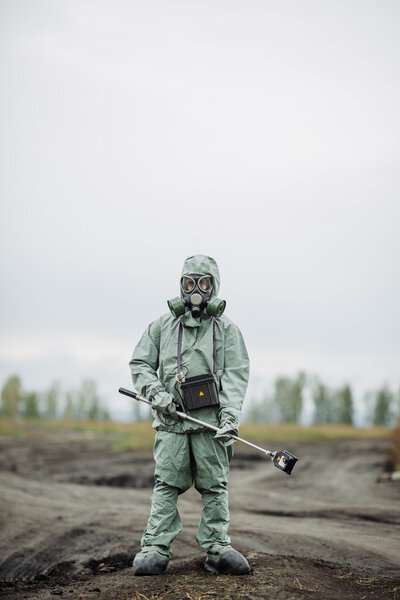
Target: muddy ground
72 514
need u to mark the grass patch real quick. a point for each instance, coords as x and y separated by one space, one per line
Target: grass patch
394 451
122 436
314 432
140 435
368 581
300 586
11 427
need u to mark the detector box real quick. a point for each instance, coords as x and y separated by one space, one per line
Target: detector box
199 391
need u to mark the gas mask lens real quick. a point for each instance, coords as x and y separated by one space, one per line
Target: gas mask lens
204 283
187 284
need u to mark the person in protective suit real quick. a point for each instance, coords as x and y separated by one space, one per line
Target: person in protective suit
195 340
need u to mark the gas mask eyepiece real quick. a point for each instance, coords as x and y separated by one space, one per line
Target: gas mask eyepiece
204 283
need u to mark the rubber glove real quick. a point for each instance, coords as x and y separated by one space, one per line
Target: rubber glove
165 403
223 433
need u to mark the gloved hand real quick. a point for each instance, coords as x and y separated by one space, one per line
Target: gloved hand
224 430
164 403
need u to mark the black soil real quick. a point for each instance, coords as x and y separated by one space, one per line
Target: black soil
72 514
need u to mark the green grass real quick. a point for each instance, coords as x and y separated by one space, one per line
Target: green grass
135 436
314 432
394 453
140 436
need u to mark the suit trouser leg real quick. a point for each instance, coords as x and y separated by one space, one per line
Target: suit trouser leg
211 469
173 477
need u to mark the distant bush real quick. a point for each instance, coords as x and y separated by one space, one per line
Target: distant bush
382 406
11 396
332 406
394 450
83 403
284 405
329 405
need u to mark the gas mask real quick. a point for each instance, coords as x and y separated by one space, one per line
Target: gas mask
196 290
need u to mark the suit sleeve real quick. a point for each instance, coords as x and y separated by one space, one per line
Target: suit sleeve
235 376
145 361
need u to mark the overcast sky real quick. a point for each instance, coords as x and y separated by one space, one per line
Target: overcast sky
135 133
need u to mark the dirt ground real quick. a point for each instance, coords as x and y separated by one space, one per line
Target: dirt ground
72 514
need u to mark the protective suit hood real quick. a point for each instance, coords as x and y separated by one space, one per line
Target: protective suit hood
199 263
197 302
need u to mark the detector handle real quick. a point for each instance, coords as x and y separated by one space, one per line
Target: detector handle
282 459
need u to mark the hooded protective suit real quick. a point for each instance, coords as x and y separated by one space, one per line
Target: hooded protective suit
184 452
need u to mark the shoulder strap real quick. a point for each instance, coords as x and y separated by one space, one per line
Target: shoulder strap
179 372
214 350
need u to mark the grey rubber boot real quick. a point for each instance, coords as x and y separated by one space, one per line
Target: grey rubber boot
230 562
149 564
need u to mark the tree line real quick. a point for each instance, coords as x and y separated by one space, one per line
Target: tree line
81 403
285 403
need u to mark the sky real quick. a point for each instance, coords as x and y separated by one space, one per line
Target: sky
136 133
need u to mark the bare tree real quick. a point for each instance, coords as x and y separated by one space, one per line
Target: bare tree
344 405
51 399
11 396
69 408
383 406
30 405
323 403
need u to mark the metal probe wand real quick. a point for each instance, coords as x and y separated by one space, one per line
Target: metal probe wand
281 458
